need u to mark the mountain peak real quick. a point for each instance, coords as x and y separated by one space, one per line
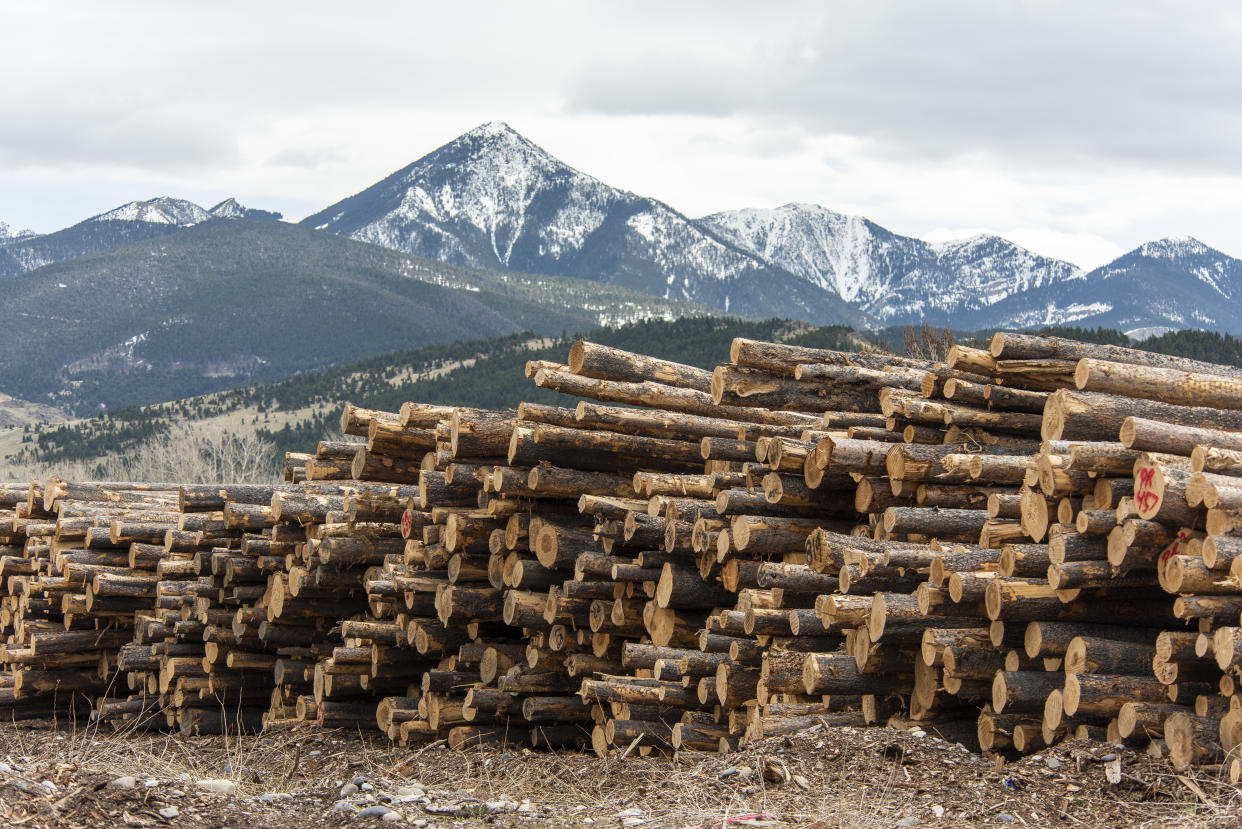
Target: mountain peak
977 242
12 234
492 129
1174 247
163 210
489 179
230 208
967 241
496 142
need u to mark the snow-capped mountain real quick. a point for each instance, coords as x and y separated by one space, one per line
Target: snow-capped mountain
492 199
848 255
896 279
231 209
160 211
132 222
1171 283
11 234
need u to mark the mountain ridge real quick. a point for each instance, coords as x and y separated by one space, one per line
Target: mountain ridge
889 275
223 303
492 198
130 222
13 234
1167 284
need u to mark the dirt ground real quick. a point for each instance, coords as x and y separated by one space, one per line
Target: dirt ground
821 778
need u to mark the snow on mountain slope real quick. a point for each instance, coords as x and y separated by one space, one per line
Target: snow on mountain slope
1170 283
162 210
831 250
132 222
491 198
231 209
11 234
898 279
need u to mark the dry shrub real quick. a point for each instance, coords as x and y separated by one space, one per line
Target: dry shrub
205 454
186 453
926 343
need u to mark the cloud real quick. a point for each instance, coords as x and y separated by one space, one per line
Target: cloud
1079 121
1082 83
98 134
306 158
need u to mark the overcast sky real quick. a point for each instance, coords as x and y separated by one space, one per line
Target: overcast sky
1076 129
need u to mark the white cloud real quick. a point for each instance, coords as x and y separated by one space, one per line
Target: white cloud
1076 129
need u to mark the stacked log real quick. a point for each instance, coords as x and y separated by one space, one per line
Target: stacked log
84 565
1009 547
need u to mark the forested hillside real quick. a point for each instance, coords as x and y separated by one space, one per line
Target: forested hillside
229 303
292 414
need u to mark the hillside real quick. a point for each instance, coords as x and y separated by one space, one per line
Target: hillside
294 413
1167 284
223 304
895 278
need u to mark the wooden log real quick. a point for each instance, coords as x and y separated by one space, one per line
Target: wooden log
782 358
1009 346
1096 655
1149 435
1146 718
938 523
1050 638
603 362
1103 695
1024 560
1184 388
600 450
1215 458
1192 740
663 424
683 588
971 662
1007 398
741 386
1080 415
837 673
1023 692
660 396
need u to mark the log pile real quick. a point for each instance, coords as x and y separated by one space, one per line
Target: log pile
1038 539
79 562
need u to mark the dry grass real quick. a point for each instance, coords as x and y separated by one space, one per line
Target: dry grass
864 778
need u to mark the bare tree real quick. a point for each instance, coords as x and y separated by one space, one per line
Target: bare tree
204 454
190 454
926 343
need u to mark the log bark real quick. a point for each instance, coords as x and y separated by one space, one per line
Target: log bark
602 362
1183 388
1102 695
1079 415
1009 346
659 396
